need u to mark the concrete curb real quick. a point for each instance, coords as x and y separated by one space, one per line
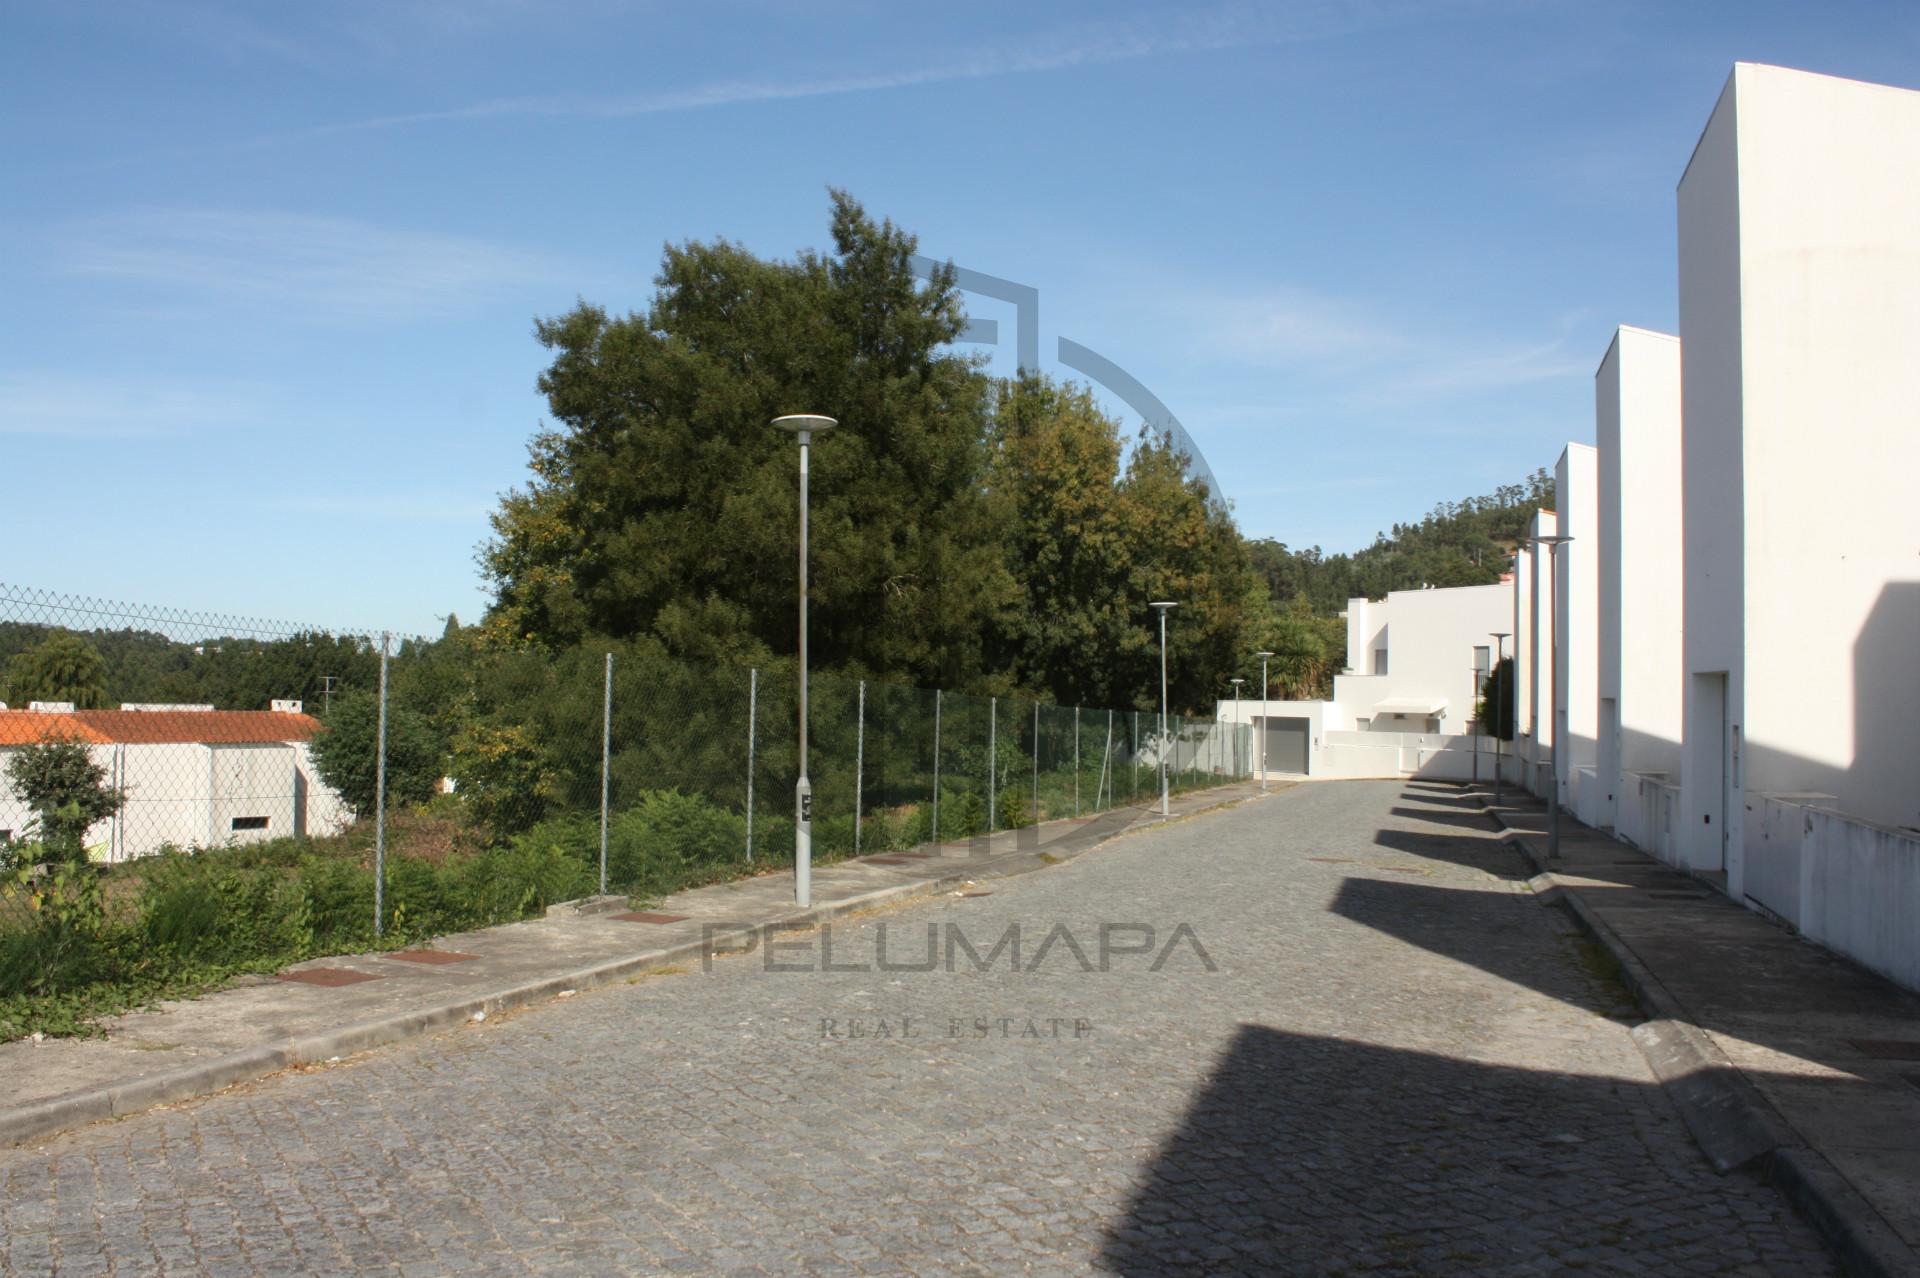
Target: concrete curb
23 1123
1730 1121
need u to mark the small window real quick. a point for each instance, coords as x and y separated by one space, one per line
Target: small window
249 823
1379 661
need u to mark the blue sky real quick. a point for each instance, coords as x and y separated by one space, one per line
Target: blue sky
271 270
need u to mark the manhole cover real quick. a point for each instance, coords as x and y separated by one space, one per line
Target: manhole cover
433 958
1889 1049
648 916
327 977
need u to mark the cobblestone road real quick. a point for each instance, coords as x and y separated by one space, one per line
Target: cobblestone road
1390 1060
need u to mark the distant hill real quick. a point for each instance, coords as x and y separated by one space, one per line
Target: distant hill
1464 543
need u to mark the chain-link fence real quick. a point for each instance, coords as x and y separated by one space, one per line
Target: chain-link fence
372 787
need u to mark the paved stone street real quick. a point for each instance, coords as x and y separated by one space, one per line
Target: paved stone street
1391 1059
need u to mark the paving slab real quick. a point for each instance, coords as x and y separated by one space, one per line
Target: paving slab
348 1003
1767 1057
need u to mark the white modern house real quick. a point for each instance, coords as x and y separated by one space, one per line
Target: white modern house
1799 255
1576 606
1636 399
1405 706
193 776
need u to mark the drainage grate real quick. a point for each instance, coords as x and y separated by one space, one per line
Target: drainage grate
648 916
1680 896
883 860
1889 1049
976 894
327 977
433 958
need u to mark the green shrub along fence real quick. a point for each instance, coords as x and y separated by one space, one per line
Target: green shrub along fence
512 780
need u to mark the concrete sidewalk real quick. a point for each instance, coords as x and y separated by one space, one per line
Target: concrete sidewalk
332 1007
1775 1050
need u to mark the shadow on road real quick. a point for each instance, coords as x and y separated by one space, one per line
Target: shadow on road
1316 1155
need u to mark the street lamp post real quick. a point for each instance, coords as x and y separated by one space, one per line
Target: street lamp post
1164 605
1236 682
1503 716
803 425
1263 719
1553 544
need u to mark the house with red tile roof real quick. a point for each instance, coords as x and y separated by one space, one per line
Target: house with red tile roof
193 776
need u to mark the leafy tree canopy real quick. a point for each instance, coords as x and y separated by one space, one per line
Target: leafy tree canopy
66 790
347 753
662 503
62 667
1465 543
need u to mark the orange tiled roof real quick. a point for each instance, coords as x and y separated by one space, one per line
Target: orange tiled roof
198 727
31 727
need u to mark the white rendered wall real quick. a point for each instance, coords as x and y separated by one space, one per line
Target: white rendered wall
1520 645
1800 315
1637 429
1539 629
1576 604
1711 483
1430 638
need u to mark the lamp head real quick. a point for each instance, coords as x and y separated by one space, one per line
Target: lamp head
1263 655
804 424
1162 604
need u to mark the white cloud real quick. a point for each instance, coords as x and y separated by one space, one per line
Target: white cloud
313 267
1350 348
86 407
1231 25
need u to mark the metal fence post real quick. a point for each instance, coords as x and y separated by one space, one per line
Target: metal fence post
753 707
859 766
993 759
606 760
1036 763
936 765
1133 791
380 804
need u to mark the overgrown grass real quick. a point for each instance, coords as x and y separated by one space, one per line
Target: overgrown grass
84 943
88 942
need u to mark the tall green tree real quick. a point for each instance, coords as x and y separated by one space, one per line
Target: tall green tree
1053 488
662 503
62 667
1182 546
348 753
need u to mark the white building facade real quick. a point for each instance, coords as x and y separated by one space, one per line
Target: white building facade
191 778
1636 396
1406 705
1755 539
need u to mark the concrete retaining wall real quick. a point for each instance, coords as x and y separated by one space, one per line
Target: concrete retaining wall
1848 885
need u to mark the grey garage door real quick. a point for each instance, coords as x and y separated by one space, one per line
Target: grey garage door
1287 745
